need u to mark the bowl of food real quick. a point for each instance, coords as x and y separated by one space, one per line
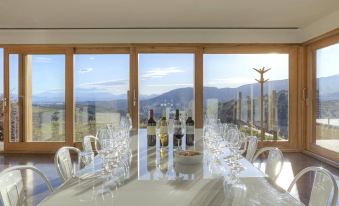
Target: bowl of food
190 157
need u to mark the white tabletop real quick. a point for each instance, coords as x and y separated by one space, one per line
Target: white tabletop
156 179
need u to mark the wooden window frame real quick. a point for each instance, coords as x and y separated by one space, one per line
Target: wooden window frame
104 50
294 51
36 147
197 52
294 138
310 69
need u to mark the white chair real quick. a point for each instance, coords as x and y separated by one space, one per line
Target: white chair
11 184
87 143
243 142
323 184
274 162
63 162
251 148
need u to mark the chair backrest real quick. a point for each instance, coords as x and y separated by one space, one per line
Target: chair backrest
87 143
323 184
11 185
251 148
63 162
243 140
274 162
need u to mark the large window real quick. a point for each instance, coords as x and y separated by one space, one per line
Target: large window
327 98
56 96
232 94
37 98
166 83
101 83
48 97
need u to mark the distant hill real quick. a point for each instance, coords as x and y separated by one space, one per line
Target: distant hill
327 90
222 94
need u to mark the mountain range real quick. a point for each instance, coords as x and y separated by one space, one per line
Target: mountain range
327 89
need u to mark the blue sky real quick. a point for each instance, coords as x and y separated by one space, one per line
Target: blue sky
234 70
328 61
159 73
48 73
107 73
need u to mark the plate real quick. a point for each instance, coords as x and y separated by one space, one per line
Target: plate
189 157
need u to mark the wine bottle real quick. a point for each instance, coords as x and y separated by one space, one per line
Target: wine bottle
177 134
190 130
151 127
163 161
163 133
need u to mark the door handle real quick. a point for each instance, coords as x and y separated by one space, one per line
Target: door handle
134 98
4 104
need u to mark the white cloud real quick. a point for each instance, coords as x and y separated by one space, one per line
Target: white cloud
85 70
41 59
160 72
105 84
92 58
168 85
230 82
118 86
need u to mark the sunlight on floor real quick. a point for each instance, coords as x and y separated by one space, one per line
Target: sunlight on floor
285 178
331 144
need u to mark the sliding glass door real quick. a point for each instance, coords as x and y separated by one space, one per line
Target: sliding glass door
35 94
101 90
232 92
323 113
56 96
327 98
37 97
166 83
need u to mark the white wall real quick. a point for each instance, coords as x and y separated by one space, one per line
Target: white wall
319 27
306 32
149 36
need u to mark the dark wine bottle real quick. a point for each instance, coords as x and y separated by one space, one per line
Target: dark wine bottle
177 134
151 127
190 130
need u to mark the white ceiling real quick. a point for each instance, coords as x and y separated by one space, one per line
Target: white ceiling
162 13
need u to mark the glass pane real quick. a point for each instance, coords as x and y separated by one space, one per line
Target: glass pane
101 91
15 105
166 83
327 97
1 97
48 98
232 94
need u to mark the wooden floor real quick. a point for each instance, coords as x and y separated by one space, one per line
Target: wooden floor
294 162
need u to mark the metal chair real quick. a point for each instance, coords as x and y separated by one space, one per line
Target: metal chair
323 184
63 162
251 148
11 184
274 162
87 143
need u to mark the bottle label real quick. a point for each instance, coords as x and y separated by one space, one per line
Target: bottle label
190 130
151 130
163 130
178 130
177 127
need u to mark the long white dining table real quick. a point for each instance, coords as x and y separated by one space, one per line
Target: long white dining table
155 178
